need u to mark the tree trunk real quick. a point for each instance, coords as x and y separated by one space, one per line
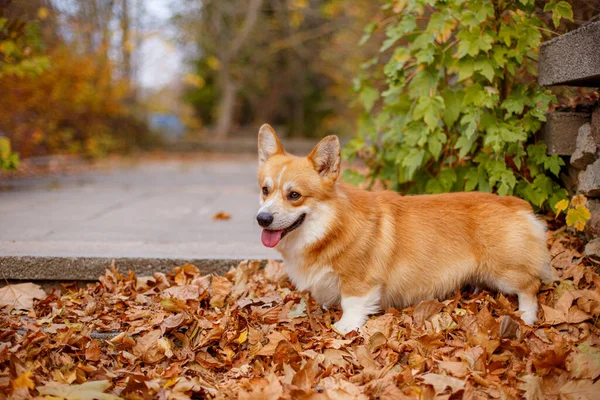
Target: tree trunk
126 45
228 86
226 104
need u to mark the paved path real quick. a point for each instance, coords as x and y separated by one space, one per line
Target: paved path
151 210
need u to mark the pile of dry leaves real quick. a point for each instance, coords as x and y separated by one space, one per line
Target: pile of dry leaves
250 335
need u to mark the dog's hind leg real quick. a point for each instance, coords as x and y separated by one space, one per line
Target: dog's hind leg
528 304
526 287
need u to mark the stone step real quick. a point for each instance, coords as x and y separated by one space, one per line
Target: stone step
65 269
572 59
560 131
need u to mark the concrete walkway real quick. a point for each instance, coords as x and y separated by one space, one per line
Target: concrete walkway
150 210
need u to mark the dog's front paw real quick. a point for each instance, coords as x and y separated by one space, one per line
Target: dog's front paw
344 326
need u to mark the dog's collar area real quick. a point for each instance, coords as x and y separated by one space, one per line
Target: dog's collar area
293 226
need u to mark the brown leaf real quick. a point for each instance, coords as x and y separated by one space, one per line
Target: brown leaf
555 317
584 389
305 377
285 354
123 340
92 353
274 271
532 386
20 296
146 347
174 321
509 328
585 363
274 338
365 359
182 292
425 310
222 215
220 289
456 368
376 341
441 382
340 389
263 389
93 390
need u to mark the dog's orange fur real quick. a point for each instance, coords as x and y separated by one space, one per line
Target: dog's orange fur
410 248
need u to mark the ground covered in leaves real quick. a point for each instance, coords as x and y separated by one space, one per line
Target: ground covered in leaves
250 335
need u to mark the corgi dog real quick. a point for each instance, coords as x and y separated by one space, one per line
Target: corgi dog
372 250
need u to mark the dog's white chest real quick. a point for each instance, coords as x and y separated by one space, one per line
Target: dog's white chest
321 281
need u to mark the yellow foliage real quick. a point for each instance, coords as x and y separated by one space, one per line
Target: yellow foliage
561 206
578 216
74 107
213 63
579 200
24 381
43 13
194 80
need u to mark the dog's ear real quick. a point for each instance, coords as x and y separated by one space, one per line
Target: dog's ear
326 159
268 144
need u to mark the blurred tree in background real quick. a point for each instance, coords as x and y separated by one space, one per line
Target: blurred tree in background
63 91
19 56
71 83
289 62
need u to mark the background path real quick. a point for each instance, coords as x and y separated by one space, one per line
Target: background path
151 210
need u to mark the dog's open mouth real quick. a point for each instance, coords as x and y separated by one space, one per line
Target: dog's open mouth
270 238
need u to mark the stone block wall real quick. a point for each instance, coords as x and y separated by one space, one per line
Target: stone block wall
573 59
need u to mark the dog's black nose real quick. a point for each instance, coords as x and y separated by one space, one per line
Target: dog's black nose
264 219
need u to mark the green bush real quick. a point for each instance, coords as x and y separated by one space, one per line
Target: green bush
8 159
452 102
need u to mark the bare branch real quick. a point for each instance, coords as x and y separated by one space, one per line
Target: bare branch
249 22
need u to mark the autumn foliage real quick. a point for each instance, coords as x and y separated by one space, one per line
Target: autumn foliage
58 95
250 335
75 107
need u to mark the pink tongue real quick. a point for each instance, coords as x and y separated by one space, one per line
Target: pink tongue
271 238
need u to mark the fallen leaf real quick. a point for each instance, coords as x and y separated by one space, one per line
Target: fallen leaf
24 381
555 317
298 310
584 389
509 328
146 347
263 389
585 363
376 341
93 390
243 337
20 296
182 292
92 353
532 386
457 368
441 382
220 288
305 377
425 310
222 215
172 322
274 338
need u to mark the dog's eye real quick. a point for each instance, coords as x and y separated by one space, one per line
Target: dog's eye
294 196
265 190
